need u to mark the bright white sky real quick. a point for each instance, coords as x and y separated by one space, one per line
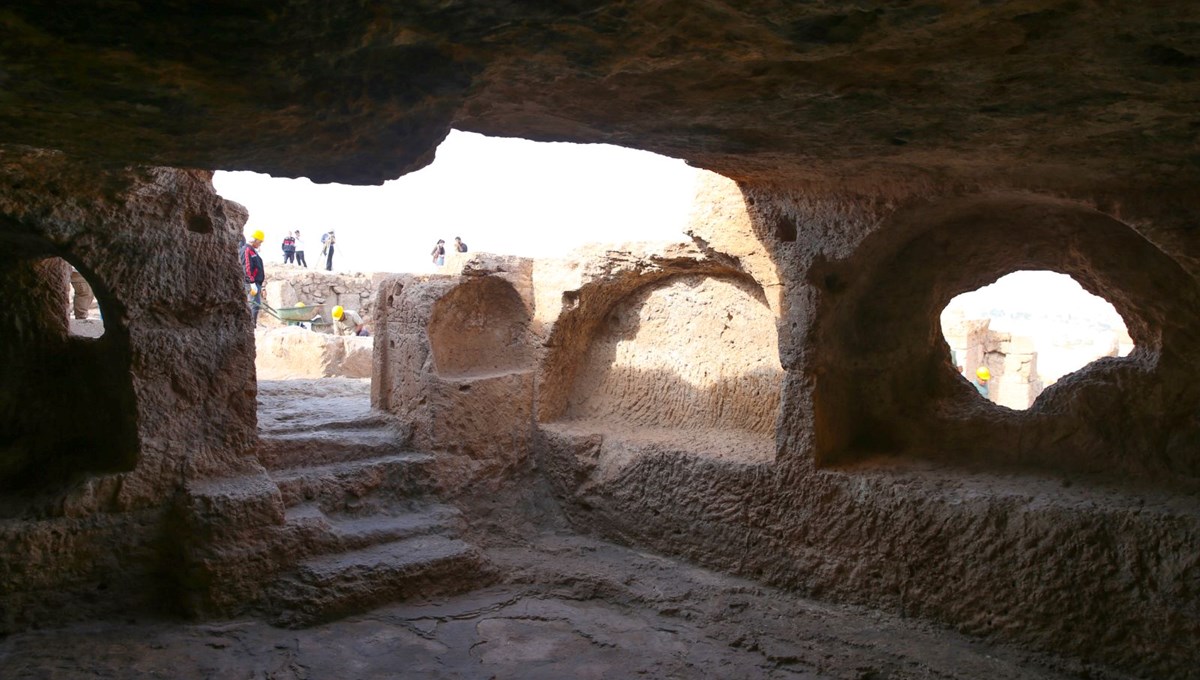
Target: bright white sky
507 195
1069 326
1039 294
500 195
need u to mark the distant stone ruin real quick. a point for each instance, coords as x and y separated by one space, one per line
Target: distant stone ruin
1011 360
289 286
294 350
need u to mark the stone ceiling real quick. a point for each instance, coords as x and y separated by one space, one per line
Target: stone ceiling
1090 92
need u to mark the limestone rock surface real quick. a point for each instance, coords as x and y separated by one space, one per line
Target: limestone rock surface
293 352
361 94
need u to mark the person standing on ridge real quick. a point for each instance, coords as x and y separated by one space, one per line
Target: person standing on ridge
439 253
459 246
327 251
289 248
252 267
300 251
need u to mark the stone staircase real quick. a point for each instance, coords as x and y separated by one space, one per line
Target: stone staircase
362 525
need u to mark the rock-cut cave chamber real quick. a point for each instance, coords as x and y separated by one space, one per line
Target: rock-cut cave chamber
771 401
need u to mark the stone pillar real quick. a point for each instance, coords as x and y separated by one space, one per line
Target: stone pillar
455 359
1018 384
969 342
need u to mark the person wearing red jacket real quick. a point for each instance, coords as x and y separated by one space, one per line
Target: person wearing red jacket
252 267
289 248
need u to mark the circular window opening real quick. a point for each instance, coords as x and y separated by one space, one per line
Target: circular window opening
1015 337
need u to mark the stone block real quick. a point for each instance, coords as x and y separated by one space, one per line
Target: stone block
1013 393
292 352
1018 344
1017 365
488 418
357 357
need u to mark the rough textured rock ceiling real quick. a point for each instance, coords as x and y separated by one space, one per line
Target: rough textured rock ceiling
1056 92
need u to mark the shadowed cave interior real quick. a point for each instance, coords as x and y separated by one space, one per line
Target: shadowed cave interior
750 447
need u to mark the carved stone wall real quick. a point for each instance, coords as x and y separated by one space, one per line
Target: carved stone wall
287 286
691 352
883 481
455 357
98 435
887 157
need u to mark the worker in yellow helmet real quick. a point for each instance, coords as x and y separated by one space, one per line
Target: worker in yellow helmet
348 322
252 268
982 376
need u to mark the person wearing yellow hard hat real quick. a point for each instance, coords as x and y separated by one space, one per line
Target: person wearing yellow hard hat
348 322
255 274
982 376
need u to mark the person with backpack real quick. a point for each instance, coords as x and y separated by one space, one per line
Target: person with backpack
252 268
300 251
439 253
327 242
289 248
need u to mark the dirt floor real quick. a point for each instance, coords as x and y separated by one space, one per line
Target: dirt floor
567 607
563 606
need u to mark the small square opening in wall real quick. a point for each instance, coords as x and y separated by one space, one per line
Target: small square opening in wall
1015 337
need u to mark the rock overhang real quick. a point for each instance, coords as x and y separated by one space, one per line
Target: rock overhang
1059 93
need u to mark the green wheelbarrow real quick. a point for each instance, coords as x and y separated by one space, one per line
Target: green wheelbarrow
294 316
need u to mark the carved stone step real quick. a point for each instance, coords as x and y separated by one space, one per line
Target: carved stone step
338 486
289 450
330 587
316 533
303 423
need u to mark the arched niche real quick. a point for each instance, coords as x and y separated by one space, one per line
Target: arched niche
688 362
480 329
66 400
887 386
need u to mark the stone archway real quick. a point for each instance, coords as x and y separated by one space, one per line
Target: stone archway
66 401
888 386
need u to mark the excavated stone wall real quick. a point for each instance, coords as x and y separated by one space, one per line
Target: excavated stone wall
888 156
98 435
884 479
904 396
683 362
288 285
292 352
725 377
455 355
